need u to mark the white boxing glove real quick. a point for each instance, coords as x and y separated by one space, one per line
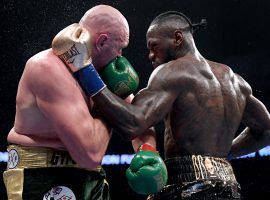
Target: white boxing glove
73 46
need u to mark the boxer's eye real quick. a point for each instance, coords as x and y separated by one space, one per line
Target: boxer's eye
153 46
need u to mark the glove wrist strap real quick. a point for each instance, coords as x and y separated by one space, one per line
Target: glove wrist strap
89 80
147 147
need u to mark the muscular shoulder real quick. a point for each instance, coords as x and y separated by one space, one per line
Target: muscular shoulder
45 68
222 68
44 61
171 74
232 76
244 86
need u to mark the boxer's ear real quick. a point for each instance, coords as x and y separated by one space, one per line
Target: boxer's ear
101 40
178 35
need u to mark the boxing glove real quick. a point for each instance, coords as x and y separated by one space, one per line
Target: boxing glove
147 173
73 46
120 77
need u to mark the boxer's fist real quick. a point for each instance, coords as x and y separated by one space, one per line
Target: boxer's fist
147 173
120 77
73 46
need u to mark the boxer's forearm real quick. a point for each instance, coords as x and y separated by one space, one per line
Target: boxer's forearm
246 143
149 137
102 136
127 119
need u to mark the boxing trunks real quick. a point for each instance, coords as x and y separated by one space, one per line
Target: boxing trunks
46 174
199 177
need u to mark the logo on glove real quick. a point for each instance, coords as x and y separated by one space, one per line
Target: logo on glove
72 52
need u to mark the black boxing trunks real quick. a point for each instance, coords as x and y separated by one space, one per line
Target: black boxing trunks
199 177
46 174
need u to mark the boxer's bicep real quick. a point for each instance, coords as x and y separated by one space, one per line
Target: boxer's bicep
156 99
255 115
148 107
62 104
155 104
58 98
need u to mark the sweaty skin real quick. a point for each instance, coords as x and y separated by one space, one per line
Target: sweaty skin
51 109
201 102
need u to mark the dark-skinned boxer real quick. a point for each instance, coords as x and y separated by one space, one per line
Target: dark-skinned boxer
202 103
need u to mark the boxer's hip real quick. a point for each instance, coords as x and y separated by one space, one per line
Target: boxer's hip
39 173
20 157
199 177
196 167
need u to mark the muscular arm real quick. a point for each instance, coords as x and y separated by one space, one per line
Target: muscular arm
149 136
61 101
257 134
149 106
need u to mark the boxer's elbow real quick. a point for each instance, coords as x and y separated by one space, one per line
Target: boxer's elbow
96 159
92 161
133 127
139 128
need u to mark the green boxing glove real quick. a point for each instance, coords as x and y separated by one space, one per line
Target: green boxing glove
147 173
120 77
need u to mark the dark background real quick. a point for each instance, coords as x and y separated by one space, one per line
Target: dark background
237 35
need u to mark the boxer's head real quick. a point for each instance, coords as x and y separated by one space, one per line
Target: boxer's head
168 35
110 33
